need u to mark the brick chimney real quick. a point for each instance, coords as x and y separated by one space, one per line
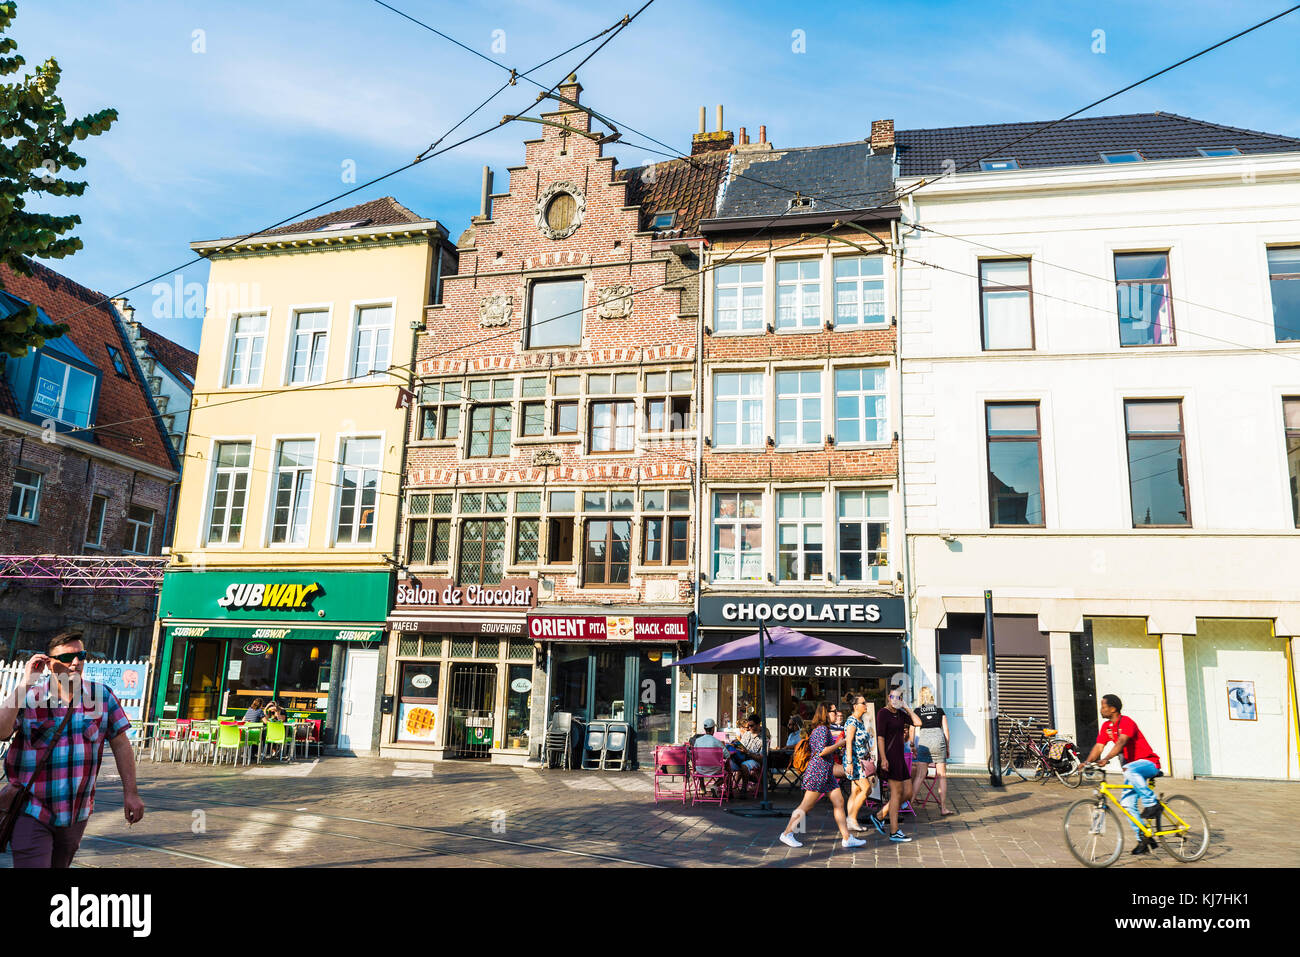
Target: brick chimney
570 89
882 134
703 142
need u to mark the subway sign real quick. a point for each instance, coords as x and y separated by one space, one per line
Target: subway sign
271 596
746 611
274 597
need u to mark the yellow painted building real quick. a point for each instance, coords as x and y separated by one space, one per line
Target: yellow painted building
294 467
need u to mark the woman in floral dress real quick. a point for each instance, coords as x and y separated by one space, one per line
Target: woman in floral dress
819 780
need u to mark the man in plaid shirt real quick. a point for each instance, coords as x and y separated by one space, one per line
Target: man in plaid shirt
49 831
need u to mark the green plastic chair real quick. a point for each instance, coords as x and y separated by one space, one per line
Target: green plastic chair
228 739
202 737
277 734
253 736
165 734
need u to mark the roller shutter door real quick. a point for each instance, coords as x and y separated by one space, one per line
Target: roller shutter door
1023 689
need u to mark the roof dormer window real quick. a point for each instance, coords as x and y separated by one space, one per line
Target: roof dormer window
1123 156
64 392
800 201
1212 151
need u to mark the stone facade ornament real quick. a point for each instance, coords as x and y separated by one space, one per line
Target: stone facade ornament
545 457
565 219
496 310
614 302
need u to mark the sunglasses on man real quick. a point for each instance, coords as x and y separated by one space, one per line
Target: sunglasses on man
68 657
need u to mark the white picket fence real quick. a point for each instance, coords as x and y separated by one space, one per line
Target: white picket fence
124 677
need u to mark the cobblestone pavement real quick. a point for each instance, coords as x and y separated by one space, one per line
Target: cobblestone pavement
359 812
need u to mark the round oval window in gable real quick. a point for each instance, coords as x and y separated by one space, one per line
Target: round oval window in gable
560 209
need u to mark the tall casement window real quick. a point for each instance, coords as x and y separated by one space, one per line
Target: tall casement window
307 347
428 528
138 534
358 491
799 535
666 521
295 460
25 496
612 426
860 414
232 466
528 528
863 535
799 294
439 416
860 291
555 314
607 537
560 524
1156 462
738 298
1006 304
799 408
1015 463
737 409
1291 417
1144 299
95 524
372 345
489 424
482 539
737 536
247 350
1284 283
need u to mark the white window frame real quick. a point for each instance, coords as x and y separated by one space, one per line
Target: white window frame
742 402
741 285
803 297
98 541
860 284
337 498
272 486
802 524
354 338
861 395
205 527
799 397
739 524
135 525
885 573
233 336
68 370
290 351
35 493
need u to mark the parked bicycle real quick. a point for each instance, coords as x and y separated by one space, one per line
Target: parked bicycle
1094 833
1031 754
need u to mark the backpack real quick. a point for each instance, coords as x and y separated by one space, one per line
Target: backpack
802 755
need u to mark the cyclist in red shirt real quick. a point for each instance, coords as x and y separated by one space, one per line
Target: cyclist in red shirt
1141 764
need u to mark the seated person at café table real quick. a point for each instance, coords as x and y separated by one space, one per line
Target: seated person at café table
795 727
273 711
747 751
254 712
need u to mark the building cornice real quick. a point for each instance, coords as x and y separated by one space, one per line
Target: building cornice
87 448
323 239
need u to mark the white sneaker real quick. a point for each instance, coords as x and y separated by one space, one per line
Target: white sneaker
852 842
789 841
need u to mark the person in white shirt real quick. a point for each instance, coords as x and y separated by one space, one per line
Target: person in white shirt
707 740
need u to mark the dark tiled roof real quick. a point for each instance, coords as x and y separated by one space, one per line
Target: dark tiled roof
845 176
1077 142
175 357
384 211
130 425
687 187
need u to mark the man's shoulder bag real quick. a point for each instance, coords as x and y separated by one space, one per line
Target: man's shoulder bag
13 797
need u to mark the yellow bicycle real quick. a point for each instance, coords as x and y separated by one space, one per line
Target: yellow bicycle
1094 831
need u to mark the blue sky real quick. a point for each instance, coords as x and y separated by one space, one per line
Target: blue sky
259 124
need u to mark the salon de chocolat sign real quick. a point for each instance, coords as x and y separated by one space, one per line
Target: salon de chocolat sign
746 611
429 593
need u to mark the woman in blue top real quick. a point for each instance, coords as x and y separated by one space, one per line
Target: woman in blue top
819 780
858 766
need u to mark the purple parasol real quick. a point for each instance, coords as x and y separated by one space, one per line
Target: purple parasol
784 646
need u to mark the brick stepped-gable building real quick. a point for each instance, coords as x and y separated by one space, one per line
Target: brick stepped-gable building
85 469
551 463
169 370
799 422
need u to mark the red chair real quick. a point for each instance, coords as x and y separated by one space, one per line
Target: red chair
672 764
713 784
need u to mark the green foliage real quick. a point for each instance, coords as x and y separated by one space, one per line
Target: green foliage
35 140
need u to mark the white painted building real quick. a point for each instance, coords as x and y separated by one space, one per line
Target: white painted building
1157 554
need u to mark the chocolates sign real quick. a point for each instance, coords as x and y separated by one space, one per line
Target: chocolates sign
413 594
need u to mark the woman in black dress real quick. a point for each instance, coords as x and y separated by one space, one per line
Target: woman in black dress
818 780
892 723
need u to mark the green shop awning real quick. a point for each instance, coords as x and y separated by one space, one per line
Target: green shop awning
288 599
194 631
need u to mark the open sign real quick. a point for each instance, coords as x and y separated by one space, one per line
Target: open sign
256 648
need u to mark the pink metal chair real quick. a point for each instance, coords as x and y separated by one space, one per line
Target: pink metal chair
714 778
672 772
931 775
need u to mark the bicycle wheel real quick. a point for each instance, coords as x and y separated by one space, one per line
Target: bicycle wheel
1192 839
1093 832
1072 777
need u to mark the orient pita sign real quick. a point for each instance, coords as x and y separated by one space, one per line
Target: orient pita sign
746 611
607 628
